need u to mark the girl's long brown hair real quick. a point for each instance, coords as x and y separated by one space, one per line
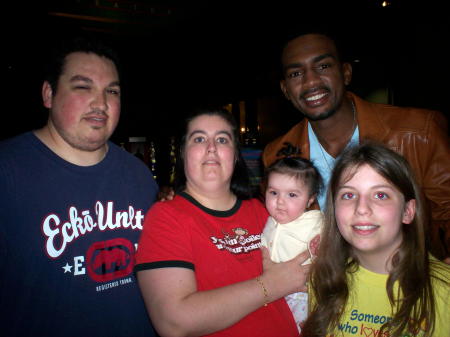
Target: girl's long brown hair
410 264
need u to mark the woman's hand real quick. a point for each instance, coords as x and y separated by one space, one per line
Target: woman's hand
284 278
313 246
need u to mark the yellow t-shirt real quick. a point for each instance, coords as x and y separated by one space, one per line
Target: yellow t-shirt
368 307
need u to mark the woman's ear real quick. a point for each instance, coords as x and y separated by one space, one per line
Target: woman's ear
409 211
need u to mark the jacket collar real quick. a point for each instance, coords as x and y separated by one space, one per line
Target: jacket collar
368 118
304 139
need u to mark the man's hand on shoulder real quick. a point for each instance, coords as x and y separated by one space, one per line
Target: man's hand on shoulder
166 193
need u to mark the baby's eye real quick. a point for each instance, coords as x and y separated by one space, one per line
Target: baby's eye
347 196
381 196
272 192
292 195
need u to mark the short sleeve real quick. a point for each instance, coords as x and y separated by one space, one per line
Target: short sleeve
165 237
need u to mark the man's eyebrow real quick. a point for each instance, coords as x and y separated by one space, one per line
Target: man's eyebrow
88 80
114 84
315 60
80 78
324 56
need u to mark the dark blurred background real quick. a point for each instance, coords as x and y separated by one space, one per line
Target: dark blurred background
177 54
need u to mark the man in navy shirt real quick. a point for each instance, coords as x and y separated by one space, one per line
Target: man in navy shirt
72 209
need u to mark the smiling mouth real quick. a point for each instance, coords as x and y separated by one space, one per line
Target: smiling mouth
365 230
315 97
365 227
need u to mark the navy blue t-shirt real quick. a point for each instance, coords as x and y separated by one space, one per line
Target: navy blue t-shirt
67 241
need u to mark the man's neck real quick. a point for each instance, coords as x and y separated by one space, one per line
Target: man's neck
335 132
67 152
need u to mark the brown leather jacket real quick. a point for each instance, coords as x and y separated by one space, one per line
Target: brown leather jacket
420 135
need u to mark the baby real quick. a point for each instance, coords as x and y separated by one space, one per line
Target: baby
292 185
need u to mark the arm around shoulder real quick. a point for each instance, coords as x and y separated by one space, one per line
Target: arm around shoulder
436 181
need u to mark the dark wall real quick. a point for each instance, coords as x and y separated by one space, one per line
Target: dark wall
227 53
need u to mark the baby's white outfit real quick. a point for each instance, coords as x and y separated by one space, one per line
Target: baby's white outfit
286 241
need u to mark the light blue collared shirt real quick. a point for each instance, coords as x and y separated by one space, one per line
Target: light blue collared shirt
323 161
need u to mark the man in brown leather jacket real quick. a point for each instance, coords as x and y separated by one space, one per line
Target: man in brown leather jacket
315 80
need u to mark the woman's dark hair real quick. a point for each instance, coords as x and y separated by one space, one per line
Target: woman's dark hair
411 266
298 168
240 181
85 44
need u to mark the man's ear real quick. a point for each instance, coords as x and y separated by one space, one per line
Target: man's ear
409 211
284 89
347 70
47 94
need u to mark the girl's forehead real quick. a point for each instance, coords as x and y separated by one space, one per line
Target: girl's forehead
363 174
347 174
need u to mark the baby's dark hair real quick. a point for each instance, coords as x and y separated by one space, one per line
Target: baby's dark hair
298 168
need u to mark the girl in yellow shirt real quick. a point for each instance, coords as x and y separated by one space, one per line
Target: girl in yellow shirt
373 275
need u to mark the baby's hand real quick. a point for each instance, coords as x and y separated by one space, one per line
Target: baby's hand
314 246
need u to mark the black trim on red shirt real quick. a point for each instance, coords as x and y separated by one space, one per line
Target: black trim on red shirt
163 264
213 212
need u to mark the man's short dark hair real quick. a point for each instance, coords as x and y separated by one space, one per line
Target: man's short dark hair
87 44
342 49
